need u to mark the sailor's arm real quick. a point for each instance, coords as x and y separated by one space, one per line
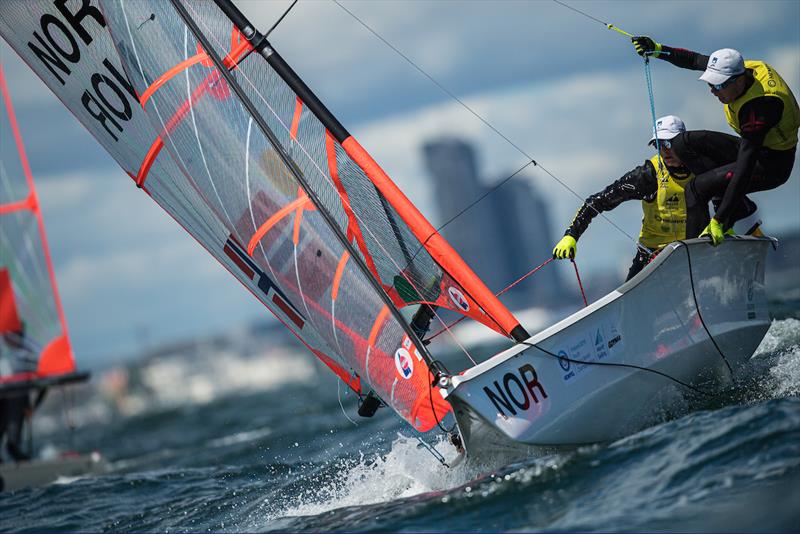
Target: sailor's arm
680 57
638 184
756 118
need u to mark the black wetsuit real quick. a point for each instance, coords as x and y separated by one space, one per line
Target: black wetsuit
754 168
700 151
12 420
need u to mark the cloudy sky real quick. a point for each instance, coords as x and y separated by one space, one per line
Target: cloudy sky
567 91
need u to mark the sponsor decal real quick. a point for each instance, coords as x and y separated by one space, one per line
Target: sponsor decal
614 340
458 299
562 360
516 391
404 363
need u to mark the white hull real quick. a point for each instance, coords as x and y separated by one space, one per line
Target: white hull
14 476
524 397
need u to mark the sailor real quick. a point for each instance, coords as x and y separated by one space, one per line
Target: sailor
660 184
761 108
15 408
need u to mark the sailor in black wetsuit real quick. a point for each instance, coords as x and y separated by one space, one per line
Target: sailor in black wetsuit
659 183
15 409
761 108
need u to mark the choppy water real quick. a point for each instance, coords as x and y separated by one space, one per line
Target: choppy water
288 459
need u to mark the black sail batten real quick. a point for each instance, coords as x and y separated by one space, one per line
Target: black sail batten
284 70
319 109
293 80
297 174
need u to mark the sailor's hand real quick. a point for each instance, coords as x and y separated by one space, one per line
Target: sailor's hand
645 46
565 248
715 232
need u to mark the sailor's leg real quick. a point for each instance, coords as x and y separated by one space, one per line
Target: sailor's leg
641 259
699 192
16 420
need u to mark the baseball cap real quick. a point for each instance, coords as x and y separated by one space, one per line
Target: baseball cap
723 64
668 127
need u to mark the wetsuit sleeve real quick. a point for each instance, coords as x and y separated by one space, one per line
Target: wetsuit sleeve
685 59
756 118
638 184
703 150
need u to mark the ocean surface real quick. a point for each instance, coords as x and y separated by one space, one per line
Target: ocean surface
286 456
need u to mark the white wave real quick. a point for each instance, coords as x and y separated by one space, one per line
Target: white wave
782 346
782 335
406 470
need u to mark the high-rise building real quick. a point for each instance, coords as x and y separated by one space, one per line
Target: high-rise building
524 222
504 235
474 233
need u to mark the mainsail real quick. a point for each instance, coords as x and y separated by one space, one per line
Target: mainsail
238 150
35 349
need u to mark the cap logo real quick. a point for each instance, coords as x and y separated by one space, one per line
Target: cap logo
713 61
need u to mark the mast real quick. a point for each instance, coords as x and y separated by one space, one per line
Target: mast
440 250
296 172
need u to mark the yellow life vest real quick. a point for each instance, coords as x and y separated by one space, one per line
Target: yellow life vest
664 218
783 135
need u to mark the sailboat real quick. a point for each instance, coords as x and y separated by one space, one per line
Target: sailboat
35 349
209 120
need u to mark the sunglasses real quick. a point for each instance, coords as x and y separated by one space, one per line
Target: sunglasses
723 85
662 143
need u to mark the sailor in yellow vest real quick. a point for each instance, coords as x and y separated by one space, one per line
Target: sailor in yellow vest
660 184
761 108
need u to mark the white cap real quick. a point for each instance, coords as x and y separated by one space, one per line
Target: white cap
668 127
722 65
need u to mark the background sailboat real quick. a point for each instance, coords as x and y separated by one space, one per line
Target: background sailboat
35 350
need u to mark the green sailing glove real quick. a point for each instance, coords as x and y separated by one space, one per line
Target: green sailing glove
646 46
715 232
565 248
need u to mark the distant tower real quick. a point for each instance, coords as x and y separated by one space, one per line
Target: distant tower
502 237
475 233
524 223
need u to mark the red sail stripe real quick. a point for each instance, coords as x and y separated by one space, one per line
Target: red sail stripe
272 221
27 204
201 56
298 110
352 224
337 278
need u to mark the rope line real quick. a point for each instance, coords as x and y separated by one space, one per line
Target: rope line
625 365
484 121
580 284
509 286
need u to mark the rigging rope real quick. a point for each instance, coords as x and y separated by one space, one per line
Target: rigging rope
509 286
580 284
449 93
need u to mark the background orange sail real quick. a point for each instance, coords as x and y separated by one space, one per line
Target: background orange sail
35 341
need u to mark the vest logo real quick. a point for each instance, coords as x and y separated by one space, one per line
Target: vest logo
404 363
458 299
673 199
